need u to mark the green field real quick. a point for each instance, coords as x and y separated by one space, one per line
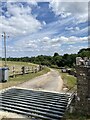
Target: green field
22 78
12 63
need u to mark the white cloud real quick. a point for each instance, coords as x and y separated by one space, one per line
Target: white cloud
46 45
33 2
73 49
72 29
44 23
21 21
17 9
48 42
79 10
68 40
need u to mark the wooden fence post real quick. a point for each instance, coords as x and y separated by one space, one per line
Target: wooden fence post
35 69
28 69
32 69
13 71
23 70
40 67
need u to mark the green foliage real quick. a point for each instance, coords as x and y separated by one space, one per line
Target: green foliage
56 54
84 53
56 59
87 49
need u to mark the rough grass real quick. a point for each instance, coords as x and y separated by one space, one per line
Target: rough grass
12 63
75 116
69 80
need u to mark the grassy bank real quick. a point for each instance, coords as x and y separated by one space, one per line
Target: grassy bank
69 80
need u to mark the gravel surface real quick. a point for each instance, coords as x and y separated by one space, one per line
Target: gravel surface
4 115
51 82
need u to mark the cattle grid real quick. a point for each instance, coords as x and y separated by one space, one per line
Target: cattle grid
34 104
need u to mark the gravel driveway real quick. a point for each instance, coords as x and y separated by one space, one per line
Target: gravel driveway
51 81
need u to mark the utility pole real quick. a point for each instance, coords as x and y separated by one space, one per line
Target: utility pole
4 36
88 25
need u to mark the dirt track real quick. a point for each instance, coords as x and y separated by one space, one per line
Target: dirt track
51 81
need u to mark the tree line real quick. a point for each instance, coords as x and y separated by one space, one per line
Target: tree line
55 60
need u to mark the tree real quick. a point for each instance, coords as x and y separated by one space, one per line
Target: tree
56 54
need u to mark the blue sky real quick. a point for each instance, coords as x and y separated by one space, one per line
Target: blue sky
37 28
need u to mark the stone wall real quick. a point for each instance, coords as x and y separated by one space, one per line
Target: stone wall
83 90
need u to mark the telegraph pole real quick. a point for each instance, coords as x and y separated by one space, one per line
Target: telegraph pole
4 36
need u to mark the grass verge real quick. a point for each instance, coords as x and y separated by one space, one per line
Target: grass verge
69 80
22 78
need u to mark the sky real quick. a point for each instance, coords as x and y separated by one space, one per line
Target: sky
36 27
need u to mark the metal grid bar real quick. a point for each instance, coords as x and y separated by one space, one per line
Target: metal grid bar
37 104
